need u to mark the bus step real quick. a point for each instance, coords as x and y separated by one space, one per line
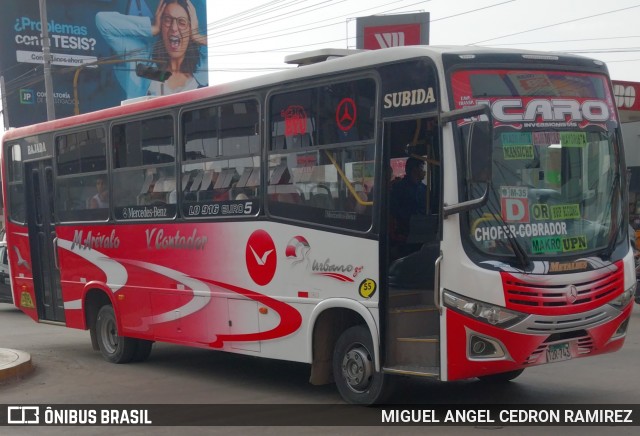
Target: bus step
416 350
413 370
410 297
412 321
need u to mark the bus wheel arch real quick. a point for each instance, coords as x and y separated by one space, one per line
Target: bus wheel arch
114 347
326 330
331 318
94 299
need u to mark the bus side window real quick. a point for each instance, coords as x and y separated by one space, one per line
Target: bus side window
280 187
221 159
80 162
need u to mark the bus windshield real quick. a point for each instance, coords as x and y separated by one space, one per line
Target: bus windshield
556 187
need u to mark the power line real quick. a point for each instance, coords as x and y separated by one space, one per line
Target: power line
623 60
472 10
564 40
605 50
556 24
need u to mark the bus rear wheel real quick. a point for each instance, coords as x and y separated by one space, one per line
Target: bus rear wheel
503 377
114 348
354 368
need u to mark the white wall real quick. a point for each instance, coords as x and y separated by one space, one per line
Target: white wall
631 138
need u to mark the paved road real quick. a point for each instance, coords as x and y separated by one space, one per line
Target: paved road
69 371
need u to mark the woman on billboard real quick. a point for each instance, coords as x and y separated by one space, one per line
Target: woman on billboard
171 38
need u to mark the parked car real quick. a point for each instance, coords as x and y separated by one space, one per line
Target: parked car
6 296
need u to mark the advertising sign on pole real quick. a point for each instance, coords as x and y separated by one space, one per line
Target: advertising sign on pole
383 31
105 40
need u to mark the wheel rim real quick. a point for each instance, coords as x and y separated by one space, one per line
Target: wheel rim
357 368
109 335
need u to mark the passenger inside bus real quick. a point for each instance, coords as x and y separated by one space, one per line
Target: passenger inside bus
101 199
407 198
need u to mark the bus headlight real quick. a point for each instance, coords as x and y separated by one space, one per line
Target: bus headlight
623 299
485 312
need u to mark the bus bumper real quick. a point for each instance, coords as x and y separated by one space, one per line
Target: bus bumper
475 348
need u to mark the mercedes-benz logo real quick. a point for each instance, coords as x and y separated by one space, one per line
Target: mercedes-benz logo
572 294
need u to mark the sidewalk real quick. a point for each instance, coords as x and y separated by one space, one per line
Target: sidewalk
14 364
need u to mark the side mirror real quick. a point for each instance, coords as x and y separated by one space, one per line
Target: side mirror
480 152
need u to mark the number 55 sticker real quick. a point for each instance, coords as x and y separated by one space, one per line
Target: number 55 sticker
367 288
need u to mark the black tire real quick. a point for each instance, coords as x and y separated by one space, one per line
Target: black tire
143 350
114 348
503 377
354 368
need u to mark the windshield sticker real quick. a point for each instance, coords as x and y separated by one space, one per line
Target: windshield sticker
543 112
573 139
559 212
494 233
557 244
517 145
514 204
536 98
514 191
546 138
295 120
516 138
513 152
568 266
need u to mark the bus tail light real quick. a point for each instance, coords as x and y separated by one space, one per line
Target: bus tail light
485 312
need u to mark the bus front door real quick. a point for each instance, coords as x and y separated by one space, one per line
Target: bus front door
412 321
42 239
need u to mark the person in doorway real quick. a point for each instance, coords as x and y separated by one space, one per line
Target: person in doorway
407 198
101 199
172 38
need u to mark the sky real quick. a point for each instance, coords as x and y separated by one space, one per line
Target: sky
252 37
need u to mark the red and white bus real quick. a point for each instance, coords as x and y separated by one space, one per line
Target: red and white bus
256 218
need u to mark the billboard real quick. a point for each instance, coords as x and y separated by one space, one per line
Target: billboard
383 31
627 95
104 40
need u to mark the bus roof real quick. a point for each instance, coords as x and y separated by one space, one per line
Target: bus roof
332 65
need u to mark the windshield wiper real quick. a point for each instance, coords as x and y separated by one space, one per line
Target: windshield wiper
613 235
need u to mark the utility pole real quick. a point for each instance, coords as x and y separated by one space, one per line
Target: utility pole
46 54
5 111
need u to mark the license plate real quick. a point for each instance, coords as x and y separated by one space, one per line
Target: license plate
558 352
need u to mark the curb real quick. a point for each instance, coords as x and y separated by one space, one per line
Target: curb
14 364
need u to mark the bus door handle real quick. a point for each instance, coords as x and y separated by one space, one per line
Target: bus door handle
55 252
436 284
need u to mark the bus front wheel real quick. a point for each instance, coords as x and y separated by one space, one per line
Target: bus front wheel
114 348
354 368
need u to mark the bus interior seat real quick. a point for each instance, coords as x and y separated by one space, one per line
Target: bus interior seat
416 270
209 178
146 184
298 141
197 181
186 178
279 143
280 187
320 197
